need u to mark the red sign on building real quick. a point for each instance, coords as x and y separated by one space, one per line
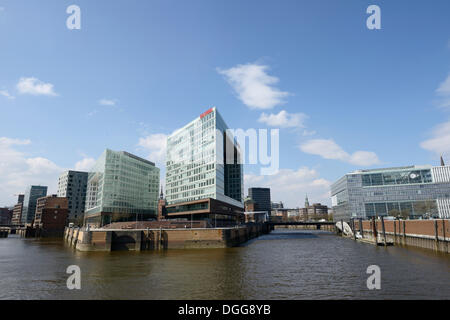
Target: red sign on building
206 113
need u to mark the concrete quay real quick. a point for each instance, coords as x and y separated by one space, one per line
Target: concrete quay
156 239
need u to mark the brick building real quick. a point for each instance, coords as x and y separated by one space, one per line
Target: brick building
5 216
51 215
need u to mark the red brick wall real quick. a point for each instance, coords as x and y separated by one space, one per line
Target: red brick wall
418 227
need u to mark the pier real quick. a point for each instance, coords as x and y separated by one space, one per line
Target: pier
156 239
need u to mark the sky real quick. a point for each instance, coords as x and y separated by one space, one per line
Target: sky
343 97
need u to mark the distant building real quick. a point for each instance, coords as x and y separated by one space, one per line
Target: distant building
314 212
29 203
72 185
5 216
121 187
51 215
256 216
277 205
249 205
407 192
162 212
261 197
17 210
17 214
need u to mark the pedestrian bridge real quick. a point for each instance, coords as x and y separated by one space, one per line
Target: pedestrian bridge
328 225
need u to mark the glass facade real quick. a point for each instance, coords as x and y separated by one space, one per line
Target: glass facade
406 192
29 204
196 168
124 185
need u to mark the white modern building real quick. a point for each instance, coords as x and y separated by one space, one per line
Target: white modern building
408 192
200 163
72 185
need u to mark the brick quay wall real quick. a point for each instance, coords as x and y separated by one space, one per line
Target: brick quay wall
155 239
429 234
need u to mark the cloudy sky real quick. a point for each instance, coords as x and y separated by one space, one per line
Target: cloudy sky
344 97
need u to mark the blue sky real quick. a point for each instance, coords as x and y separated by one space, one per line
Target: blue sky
344 97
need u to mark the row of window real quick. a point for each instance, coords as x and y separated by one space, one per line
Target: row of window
397 177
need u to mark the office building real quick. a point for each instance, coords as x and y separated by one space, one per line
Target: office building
203 162
17 210
17 214
51 215
29 202
72 185
407 192
261 198
121 187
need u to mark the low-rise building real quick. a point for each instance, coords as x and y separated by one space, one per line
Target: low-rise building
17 214
51 215
5 216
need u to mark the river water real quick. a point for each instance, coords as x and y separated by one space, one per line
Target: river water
286 264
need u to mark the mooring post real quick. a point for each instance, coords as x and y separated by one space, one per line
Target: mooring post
384 229
404 232
361 228
443 234
374 226
354 229
436 234
395 231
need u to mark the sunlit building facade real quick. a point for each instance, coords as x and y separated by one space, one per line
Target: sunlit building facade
196 164
406 192
121 187
72 185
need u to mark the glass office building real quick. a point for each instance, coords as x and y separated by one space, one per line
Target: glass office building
406 192
200 163
29 203
121 187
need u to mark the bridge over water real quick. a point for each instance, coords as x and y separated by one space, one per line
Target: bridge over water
325 225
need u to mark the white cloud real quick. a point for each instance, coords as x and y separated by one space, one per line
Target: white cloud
85 164
283 119
254 87
444 87
35 86
328 149
155 144
107 102
440 140
6 94
17 171
291 186
444 92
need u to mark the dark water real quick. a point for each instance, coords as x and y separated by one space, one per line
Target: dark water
282 265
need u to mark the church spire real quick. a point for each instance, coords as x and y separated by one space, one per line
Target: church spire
161 195
442 161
